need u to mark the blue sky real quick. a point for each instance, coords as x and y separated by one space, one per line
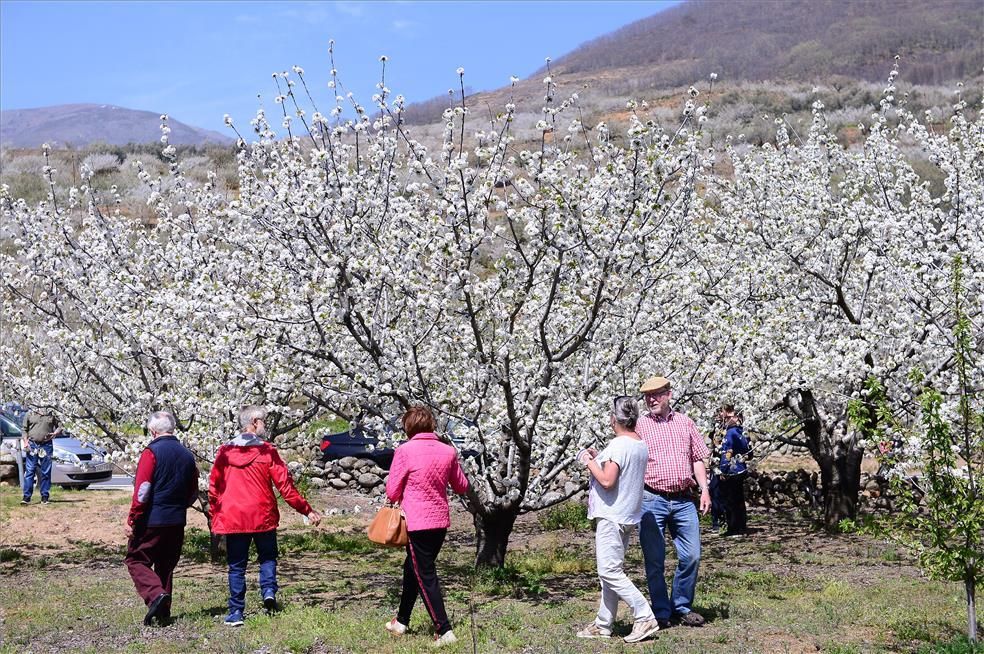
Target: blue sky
199 60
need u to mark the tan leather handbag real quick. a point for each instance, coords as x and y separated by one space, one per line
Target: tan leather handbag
389 527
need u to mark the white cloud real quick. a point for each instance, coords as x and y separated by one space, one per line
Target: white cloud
404 27
354 9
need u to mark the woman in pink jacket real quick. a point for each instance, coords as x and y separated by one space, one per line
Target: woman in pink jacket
418 478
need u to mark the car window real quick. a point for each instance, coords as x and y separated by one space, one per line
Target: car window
8 428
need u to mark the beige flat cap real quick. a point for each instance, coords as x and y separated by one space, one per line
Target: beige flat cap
655 384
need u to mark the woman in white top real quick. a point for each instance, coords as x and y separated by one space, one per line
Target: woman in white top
615 501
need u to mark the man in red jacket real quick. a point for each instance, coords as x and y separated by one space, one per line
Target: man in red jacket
244 508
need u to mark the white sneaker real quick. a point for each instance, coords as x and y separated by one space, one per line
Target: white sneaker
642 630
396 627
594 631
447 639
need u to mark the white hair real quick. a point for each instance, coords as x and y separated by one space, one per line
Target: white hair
161 422
248 414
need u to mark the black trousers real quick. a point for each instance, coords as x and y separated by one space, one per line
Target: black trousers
733 497
420 578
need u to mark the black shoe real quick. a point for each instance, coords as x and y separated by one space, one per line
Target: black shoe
25 500
270 602
164 612
44 500
664 624
156 608
689 619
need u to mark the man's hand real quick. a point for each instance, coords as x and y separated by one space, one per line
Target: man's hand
314 517
705 500
128 530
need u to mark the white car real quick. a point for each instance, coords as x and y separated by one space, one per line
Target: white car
75 463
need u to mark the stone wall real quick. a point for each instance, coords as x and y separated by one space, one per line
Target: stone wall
360 475
801 489
8 468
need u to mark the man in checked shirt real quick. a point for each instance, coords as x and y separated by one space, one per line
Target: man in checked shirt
676 458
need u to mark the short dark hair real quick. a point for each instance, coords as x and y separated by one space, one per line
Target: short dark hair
417 420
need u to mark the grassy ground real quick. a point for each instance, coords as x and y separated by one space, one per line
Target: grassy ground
784 588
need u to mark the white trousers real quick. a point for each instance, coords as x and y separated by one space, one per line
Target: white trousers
611 541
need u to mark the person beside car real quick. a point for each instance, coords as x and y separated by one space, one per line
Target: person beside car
165 485
40 427
243 507
419 476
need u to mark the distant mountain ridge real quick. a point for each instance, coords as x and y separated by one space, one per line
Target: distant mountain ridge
767 39
78 125
810 41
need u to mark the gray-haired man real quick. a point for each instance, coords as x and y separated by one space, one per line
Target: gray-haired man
166 484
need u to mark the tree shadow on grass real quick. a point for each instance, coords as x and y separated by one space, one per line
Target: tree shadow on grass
714 612
204 612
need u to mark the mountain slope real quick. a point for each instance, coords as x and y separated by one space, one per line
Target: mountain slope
768 39
78 125
785 41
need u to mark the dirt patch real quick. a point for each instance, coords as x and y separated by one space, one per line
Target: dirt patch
98 517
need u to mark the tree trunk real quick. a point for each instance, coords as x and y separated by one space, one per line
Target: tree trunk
840 475
840 462
217 542
217 548
492 531
970 583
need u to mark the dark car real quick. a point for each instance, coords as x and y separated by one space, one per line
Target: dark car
356 442
458 441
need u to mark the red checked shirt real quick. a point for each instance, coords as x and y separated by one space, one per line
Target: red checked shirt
674 446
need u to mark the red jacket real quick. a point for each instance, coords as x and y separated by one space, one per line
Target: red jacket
240 494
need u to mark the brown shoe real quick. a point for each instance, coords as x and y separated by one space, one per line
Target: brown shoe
690 619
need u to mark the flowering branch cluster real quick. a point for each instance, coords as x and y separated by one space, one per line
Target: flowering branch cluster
513 290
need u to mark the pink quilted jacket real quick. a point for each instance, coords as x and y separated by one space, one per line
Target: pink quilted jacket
418 478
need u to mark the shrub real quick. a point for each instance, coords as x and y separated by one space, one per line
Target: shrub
196 545
569 515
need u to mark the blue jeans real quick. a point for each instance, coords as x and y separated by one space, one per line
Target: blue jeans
680 516
237 551
35 463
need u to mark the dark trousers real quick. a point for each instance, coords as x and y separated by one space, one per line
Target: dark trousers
151 556
733 496
718 513
420 577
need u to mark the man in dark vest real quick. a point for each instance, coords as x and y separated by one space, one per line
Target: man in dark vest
165 485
